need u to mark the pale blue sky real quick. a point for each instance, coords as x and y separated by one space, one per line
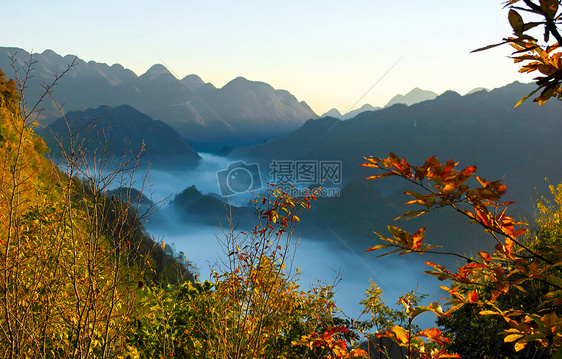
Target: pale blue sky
327 53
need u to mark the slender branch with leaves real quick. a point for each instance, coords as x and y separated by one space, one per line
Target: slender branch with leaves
534 56
514 267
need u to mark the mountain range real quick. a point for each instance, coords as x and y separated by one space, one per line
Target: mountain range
482 128
336 114
240 113
414 96
120 131
518 145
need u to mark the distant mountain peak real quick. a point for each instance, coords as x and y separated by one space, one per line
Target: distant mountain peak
157 70
364 108
193 81
129 131
414 96
478 89
239 82
449 94
49 52
245 84
333 113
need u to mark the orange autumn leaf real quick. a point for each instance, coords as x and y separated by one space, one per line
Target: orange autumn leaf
473 296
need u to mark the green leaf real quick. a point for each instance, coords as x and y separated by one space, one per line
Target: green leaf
489 47
549 7
516 22
531 25
412 214
393 251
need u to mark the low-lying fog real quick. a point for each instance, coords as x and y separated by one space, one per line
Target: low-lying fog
323 259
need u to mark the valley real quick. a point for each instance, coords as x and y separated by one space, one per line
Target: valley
208 152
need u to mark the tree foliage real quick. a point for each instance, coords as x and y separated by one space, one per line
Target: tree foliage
532 54
71 255
519 283
252 307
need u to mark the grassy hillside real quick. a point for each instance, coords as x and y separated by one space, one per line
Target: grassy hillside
72 260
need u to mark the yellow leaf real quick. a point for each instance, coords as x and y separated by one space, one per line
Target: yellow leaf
520 346
488 312
401 334
512 337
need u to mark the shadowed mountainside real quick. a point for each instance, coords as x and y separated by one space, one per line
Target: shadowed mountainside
482 129
122 130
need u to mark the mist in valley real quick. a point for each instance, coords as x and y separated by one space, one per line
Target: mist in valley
327 257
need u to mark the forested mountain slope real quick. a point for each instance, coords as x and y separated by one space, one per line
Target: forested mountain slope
121 131
73 257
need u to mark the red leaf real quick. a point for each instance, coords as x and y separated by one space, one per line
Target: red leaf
519 232
473 297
